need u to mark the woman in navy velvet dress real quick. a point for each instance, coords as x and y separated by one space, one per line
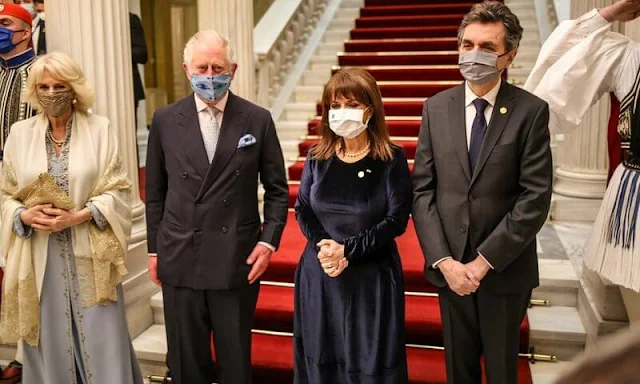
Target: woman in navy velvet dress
354 200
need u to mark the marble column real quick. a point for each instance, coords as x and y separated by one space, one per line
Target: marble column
96 34
234 19
581 175
579 187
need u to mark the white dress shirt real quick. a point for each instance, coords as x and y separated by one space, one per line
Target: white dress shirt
580 62
470 114
470 109
204 111
204 114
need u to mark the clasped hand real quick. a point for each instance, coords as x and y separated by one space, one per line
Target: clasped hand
46 218
331 257
464 279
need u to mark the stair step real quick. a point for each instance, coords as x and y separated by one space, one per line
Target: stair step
308 93
274 312
289 147
321 62
547 373
553 330
557 331
350 12
299 111
291 129
342 22
273 360
559 282
336 35
299 126
352 4
316 77
151 349
330 48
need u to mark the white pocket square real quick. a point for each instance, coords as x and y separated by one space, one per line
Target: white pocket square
246 141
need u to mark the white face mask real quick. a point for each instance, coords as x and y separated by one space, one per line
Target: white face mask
41 15
30 8
347 122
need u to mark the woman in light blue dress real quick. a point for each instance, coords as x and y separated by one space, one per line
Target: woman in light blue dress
77 331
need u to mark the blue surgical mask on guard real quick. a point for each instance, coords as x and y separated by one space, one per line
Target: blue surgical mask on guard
211 88
6 35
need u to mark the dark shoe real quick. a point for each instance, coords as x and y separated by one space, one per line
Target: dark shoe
12 374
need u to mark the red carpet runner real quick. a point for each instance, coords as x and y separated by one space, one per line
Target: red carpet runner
410 48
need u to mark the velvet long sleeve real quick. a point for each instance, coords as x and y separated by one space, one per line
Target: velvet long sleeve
399 197
307 219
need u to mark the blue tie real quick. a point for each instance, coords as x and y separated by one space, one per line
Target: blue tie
477 131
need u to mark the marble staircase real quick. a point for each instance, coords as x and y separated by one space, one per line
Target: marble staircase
302 105
556 328
530 43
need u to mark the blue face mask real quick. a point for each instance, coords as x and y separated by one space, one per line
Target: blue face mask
6 35
211 88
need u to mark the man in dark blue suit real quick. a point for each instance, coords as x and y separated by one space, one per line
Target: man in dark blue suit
207 244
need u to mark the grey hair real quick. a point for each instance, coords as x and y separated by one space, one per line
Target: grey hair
208 36
494 12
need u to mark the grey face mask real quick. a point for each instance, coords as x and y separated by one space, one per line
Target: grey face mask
479 67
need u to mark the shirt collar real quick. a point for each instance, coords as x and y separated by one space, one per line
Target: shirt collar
18 60
490 96
220 106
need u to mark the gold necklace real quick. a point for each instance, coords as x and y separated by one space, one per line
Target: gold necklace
356 154
59 143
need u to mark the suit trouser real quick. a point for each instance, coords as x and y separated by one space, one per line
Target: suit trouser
190 317
482 324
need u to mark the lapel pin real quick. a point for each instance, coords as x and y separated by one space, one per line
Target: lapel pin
503 110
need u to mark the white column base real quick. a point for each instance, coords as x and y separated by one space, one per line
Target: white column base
577 196
138 287
565 208
580 184
138 290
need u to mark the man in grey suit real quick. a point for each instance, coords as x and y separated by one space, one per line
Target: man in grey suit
482 190
207 244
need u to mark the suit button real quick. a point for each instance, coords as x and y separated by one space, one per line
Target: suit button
226 202
185 175
225 229
237 172
471 197
197 231
463 229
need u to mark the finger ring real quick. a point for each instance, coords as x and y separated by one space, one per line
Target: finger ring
330 265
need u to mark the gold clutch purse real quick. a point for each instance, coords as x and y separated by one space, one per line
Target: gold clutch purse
44 190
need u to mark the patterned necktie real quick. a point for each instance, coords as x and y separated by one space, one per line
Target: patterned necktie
211 133
477 131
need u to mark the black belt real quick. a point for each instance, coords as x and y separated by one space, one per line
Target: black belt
629 158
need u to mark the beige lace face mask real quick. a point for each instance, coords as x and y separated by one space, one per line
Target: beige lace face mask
55 103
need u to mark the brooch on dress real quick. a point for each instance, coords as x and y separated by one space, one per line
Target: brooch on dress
361 173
